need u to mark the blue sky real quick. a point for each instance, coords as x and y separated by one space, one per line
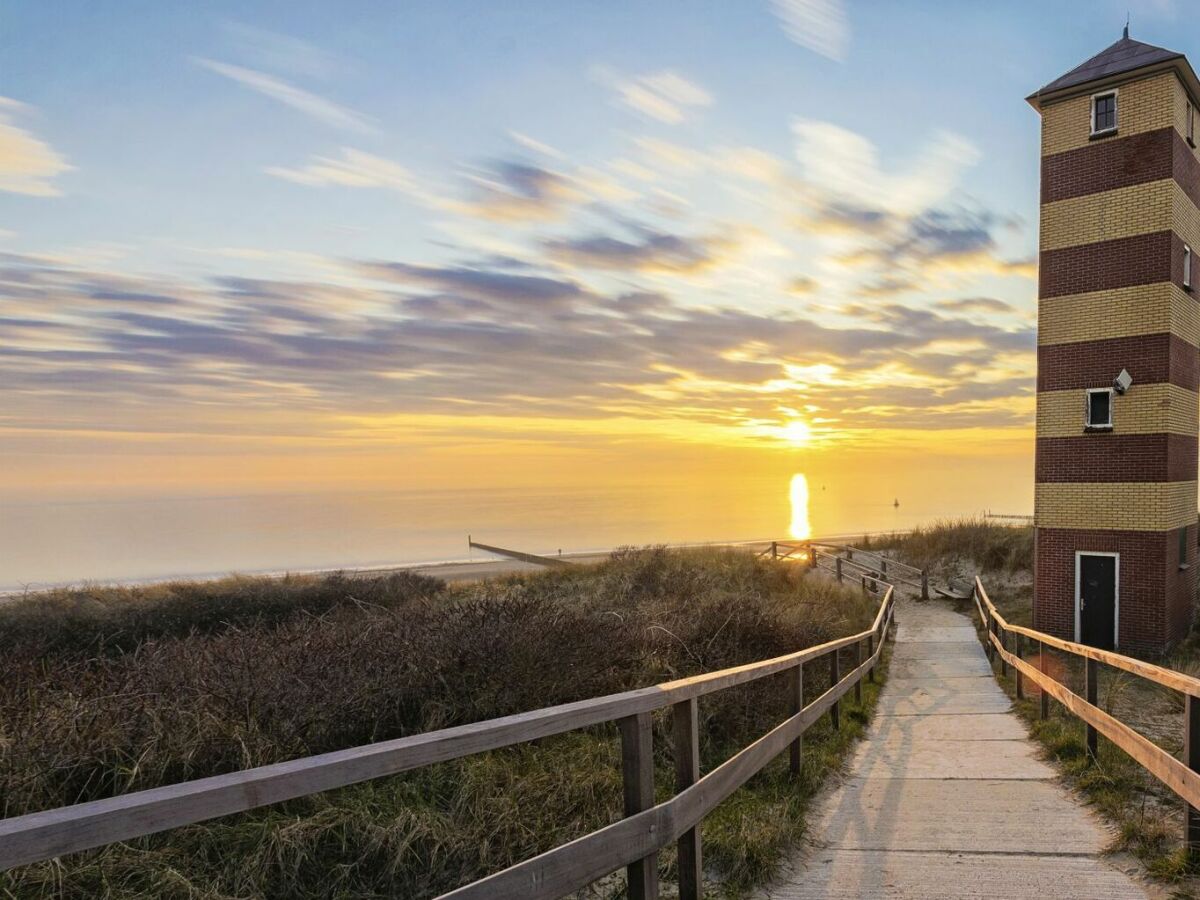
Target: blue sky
331 226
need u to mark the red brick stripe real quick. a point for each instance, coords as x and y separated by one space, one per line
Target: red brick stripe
1155 596
1106 265
1186 168
1105 456
1109 164
1150 359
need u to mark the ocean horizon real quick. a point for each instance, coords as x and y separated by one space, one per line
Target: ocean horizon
144 539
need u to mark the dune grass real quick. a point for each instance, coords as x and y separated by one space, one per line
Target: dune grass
989 546
151 686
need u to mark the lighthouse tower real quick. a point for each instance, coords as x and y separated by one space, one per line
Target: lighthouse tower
1118 366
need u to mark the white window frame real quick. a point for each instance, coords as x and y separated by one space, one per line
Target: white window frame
1087 408
1187 266
1116 594
1116 111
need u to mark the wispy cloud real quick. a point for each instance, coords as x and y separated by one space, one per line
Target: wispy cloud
353 169
306 102
280 52
536 146
648 251
845 165
28 165
666 95
514 191
819 25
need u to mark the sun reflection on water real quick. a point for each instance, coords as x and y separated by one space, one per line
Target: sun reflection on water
800 528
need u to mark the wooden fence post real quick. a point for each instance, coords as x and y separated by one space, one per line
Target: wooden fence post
637 771
687 772
1090 688
871 652
835 675
924 585
1003 646
1045 704
838 566
812 556
883 567
774 550
857 663
1191 756
796 704
1017 642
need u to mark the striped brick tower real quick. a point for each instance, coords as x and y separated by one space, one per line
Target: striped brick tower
1115 501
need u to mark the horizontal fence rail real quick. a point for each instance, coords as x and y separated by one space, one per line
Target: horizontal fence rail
1181 776
631 842
867 562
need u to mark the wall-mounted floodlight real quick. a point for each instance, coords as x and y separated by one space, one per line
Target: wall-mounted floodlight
1122 382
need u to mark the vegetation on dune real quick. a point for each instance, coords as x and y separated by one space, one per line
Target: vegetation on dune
142 688
990 547
105 620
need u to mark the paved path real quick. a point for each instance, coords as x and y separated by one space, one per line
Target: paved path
946 797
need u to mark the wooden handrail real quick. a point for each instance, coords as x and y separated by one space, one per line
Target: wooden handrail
1182 777
1185 684
47 834
575 865
848 549
890 578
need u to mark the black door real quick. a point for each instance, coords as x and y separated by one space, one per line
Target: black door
1097 600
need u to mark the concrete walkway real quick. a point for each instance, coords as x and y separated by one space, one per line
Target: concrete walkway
946 797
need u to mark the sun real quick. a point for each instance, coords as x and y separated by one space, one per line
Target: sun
796 432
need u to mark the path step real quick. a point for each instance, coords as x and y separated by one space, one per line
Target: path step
854 874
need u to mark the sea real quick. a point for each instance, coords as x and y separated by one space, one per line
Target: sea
131 540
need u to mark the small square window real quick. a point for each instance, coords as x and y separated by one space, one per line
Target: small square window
1104 113
1187 267
1099 408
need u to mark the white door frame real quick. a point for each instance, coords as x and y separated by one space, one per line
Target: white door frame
1116 592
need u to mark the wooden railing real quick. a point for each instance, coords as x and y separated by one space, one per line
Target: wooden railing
632 842
1005 641
867 563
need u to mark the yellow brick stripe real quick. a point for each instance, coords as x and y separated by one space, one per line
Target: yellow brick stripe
1144 105
1108 215
1125 312
1128 506
1144 409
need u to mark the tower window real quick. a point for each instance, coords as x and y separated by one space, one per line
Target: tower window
1099 408
1187 267
1183 548
1191 124
1104 113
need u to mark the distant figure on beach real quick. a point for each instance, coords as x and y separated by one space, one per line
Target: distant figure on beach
896 503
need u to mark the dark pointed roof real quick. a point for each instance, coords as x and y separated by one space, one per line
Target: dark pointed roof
1125 55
